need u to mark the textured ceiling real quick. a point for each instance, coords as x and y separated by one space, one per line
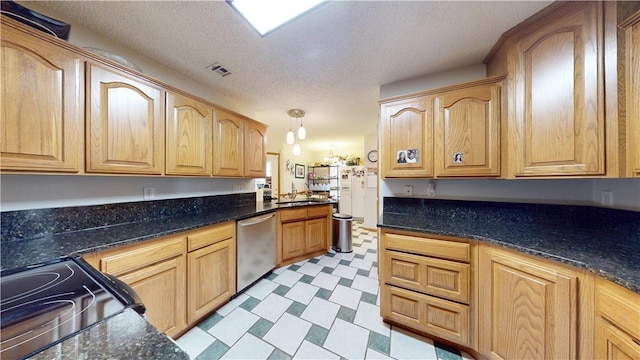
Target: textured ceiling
330 62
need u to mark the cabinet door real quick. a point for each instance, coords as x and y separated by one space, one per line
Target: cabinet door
447 279
42 105
162 289
316 231
467 132
293 240
613 344
446 319
125 123
528 310
228 144
407 125
558 122
212 278
632 79
189 136
255 149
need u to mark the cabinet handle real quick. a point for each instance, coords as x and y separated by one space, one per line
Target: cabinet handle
256 220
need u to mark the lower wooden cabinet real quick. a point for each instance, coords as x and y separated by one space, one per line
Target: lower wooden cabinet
425 285
156 270
161 288
211 264
614 344
445 319
302 233
180 278
527 308
317 231
617 328
448 279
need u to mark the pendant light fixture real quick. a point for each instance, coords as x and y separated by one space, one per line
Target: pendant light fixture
302 132
290 137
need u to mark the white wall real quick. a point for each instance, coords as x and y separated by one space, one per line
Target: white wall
22 192
433 81
626 192
370 193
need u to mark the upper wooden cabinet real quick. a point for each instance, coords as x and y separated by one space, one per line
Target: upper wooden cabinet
42 104
255 149
228 144
556 108
125 123
631 61
467 130
406 125
189 136
65 109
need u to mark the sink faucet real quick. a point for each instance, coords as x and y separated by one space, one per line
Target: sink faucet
294 192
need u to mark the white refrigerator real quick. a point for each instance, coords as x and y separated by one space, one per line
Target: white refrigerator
352 185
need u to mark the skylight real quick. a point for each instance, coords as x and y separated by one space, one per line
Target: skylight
267 15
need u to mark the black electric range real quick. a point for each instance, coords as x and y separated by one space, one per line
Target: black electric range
45 304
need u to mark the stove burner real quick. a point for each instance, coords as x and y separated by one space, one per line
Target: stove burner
45 305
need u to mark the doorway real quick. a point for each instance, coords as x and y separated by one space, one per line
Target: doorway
273 173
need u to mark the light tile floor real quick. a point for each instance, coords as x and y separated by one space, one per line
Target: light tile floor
322 308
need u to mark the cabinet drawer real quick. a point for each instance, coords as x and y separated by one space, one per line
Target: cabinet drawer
210 236
318 211
437 277
619 306
442 318
136 258
293 214
449 250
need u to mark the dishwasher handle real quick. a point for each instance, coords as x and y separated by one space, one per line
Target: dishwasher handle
256 220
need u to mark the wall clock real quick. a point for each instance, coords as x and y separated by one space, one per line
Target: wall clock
373 155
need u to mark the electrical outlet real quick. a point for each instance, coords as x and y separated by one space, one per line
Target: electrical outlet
606 198
237 188
431 189
408 190
149 193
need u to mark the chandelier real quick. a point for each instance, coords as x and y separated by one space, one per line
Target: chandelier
302 132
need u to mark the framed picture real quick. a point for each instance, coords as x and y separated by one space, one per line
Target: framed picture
299 171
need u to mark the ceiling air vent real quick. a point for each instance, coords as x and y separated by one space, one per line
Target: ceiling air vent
219 69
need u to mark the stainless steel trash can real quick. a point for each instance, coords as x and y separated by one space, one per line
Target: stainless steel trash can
341 225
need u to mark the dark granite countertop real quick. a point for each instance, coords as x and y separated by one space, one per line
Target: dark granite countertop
124 336
612 253
33 251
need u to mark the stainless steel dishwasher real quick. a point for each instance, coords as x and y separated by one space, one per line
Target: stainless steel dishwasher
256 244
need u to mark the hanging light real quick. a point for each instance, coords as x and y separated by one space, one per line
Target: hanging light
296 149
290 137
